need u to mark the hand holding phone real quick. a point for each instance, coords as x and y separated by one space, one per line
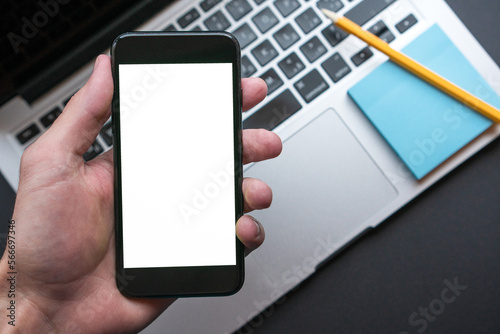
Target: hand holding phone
178 163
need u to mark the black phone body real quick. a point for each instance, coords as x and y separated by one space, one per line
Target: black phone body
178 163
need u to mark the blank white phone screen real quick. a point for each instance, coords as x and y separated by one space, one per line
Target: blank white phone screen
177 165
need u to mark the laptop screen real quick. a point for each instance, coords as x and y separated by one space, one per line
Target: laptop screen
36 35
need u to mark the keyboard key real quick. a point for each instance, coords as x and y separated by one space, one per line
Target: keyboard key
170 28
287 7
245 35
334 35
217 22
313 49
291 65
286 36
50 117
367 10
28 133
336 67
238 8
258 2
264 52
274 113
333 5
407 23
362 56
247 68
197 28
311 86
380 29
107 134
188 18
308 20
206 5
272 80
265 20
94 150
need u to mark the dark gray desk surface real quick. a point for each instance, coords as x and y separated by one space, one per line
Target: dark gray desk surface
451 231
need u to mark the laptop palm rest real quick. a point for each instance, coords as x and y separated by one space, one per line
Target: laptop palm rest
325 189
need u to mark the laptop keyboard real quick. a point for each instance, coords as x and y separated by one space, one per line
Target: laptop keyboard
288 43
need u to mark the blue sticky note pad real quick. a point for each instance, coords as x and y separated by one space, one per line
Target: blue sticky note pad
422 124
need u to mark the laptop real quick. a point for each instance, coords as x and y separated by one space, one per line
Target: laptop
337 177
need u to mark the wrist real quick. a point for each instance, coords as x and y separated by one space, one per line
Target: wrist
18 314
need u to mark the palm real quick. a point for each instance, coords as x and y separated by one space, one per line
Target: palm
79 207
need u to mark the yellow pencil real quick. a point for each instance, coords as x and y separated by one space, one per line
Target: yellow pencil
414 67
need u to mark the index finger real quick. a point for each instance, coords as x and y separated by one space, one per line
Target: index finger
254 91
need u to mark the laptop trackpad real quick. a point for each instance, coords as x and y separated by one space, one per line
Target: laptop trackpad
325 187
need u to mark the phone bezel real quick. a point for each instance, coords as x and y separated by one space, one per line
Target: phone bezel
171 48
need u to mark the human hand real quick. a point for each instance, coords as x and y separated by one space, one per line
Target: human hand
65 246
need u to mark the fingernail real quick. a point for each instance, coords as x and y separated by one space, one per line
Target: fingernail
258 226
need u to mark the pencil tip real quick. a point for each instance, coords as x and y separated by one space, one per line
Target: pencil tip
331 15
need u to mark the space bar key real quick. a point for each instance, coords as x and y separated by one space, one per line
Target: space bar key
273 113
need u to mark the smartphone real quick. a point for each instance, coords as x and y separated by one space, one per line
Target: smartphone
178 163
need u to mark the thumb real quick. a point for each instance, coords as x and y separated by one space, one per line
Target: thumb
77 127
